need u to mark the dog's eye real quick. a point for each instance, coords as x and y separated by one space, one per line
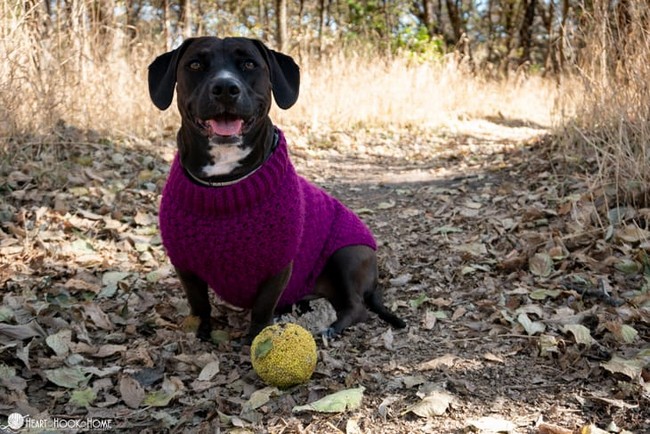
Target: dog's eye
195 66
248 65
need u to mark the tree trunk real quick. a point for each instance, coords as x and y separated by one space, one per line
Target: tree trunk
167 25
455 19
186 18
322 12
429 18
565 14
199 21
509 13
36 17
102 21
549 59
281 24
526 30
489 38
132 12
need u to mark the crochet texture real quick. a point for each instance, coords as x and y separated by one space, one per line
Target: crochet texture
236 237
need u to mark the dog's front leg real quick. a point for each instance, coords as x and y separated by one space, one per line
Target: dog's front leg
197 295
265 301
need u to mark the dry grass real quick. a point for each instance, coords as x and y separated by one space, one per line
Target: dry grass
612 123
347 90
66 78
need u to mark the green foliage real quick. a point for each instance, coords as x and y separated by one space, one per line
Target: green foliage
367 17
419 45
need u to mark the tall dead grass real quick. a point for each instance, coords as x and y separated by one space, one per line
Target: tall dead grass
66 77
61 75
349 89
612 121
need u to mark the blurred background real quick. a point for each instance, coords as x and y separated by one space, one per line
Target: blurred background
576 68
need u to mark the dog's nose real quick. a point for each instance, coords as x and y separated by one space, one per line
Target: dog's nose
226 89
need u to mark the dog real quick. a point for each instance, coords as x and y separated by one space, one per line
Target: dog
234 214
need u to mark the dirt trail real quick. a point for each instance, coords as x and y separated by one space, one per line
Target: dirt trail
524 309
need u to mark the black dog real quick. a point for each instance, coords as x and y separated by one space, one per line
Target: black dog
234 215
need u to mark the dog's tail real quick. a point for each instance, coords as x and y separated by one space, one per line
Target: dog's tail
373 299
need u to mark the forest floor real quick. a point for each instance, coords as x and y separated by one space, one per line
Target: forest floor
526 295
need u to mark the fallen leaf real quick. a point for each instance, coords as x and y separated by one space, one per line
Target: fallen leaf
209 371
109 349
471 204
458 313
352 427
435 403
167 420
618 403
106 372
386 205
131 392
547 344
632 234
618 365
343 400
447 361
400 280
541 265
60 342
489 424
261 397
22 331
384 406
628 266
156 275
493 358
429 320
6 314
158 398
70 378
580 333
83 398
474 249
219 336
387 339
547 428
145 219
93 312
531 327
622 332
110 279
541 294
411 381
419 301
446 230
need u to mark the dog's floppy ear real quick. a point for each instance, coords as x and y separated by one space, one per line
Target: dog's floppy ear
285 76
162 76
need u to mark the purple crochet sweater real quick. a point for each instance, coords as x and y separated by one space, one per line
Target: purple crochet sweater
236 237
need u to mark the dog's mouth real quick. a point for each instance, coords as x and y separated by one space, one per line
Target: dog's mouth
225 125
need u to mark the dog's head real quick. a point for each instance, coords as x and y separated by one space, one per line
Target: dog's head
224 89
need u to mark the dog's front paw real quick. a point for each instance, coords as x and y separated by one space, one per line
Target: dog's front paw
204 331
330 333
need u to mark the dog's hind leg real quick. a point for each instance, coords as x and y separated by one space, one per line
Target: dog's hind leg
349 273
349 283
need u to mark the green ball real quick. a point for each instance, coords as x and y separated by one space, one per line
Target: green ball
284 355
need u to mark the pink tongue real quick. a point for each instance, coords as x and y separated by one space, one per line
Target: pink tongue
225 127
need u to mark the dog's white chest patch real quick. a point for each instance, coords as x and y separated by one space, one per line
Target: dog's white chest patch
225 158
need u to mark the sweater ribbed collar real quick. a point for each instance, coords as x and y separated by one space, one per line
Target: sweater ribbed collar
229 199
